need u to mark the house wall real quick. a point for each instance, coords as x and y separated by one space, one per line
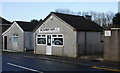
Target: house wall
69 47
28 40
15 30
89 43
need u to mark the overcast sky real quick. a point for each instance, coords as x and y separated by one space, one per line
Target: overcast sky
26 11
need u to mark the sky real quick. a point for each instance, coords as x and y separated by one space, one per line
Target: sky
26 11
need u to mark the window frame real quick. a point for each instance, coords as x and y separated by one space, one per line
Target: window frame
58 37
15 36
41 36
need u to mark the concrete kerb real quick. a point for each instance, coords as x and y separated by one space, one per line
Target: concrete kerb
62 60
77 63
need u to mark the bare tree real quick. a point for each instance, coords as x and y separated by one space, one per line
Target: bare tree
102 19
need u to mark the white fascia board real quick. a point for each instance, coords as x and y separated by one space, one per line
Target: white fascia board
11 27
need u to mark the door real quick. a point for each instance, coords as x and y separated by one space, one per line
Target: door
49 47
15 42
5 42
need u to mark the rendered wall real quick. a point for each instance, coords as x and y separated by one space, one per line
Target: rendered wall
112 46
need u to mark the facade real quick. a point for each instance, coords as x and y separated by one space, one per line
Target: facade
4 25
19 37
67 35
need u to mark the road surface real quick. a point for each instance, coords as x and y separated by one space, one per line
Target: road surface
24 63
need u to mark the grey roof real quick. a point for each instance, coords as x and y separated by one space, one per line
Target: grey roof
4 24
26 26
79 23
4 21
4 27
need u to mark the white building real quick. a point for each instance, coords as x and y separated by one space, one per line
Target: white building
67 35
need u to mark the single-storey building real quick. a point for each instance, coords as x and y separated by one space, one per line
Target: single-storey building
19 36
68 35
4 25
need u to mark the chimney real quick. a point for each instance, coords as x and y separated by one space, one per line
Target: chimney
88 17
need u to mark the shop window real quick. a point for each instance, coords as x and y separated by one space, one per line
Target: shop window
58 40
41 39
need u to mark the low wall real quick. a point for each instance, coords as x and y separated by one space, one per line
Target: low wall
112 46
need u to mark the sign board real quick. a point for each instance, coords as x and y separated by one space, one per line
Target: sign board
107 33
49 30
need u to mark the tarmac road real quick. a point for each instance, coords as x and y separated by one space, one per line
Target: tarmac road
25 63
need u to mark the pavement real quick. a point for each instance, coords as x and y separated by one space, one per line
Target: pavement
98 64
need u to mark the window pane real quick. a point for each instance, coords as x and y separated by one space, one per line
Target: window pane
54 35
59 35
58 41
43 35
15 39
39 35
41 40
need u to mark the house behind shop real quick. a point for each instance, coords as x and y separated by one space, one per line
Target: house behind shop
4 25
68 35
19 37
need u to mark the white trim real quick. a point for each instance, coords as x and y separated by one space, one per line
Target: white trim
11 28
41 37
58 37
115 28
23 67
51 40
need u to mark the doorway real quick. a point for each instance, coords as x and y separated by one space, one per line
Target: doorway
5 42
49 47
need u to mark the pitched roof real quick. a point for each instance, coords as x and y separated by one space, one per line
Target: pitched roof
79 23
4 27
26 26
4 21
